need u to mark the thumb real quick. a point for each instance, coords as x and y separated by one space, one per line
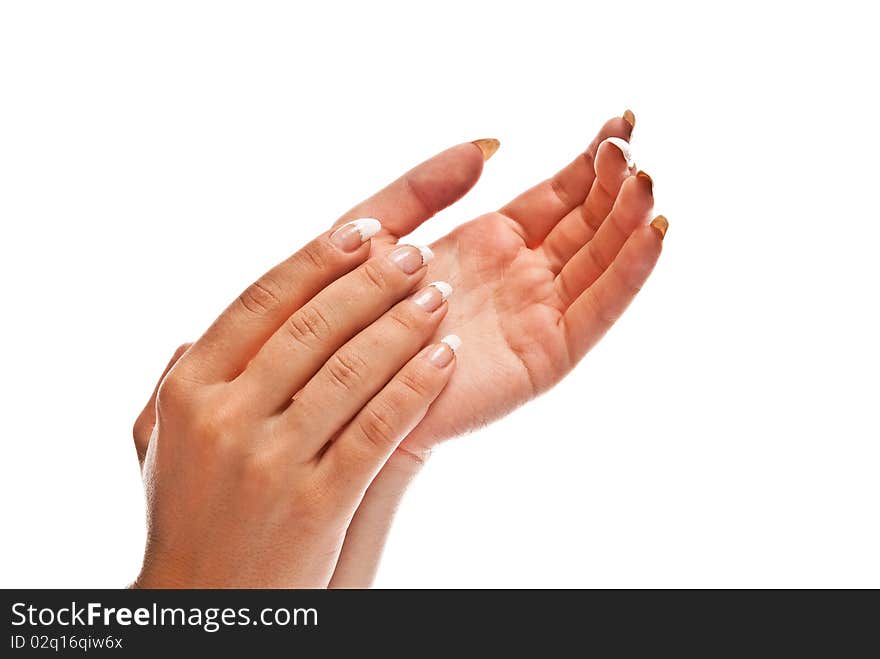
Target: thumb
425 190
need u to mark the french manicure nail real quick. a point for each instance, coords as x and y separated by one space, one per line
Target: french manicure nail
661 224
409 258
350 236
629 118
432 295
441 354
625 149
488 146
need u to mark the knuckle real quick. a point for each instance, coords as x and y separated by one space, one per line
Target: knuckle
181 350
346 368
173 391
374 277
628 285
377 425
415 382
314 255
407 320
259 473
141 429
420 193
561 193
261 297
214 423
309 325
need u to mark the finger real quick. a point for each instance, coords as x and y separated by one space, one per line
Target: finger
368 441
236 336
143 426
599 307
614 165
298 349
426 189
360 368
631 210
539 209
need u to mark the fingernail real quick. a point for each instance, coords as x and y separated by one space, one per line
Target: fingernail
661 224
350 236
629 118
644 176
432 295
409 258
441 354
488 146
624 147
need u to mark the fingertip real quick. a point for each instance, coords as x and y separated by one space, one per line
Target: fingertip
487 147
641 251
646 180
447 177
443 353
614 127
661 225
353 235
620 149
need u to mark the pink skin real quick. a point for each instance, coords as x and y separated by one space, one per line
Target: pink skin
537 284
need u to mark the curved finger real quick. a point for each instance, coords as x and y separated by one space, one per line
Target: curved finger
538 209
361 450
614 164
359 369
246 324
599 307
307 339
631 210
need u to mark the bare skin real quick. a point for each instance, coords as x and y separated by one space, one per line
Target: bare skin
538 283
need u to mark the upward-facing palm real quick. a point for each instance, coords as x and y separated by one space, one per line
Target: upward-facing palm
538 283
507 312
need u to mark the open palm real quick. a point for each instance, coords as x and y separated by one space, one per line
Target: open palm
538 282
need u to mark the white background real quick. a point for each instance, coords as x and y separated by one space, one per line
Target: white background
155 157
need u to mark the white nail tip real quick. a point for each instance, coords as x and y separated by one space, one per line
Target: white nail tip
625 149
444 288
427 254
367 227
452 341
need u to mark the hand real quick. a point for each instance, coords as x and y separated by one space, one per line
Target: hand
553 211
269 429
177 553
538 284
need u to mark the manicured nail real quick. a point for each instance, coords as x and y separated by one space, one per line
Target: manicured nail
432 295
624 147
452 341
488 146
441 354
409 258
350 236
630 118
644 176
661 224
